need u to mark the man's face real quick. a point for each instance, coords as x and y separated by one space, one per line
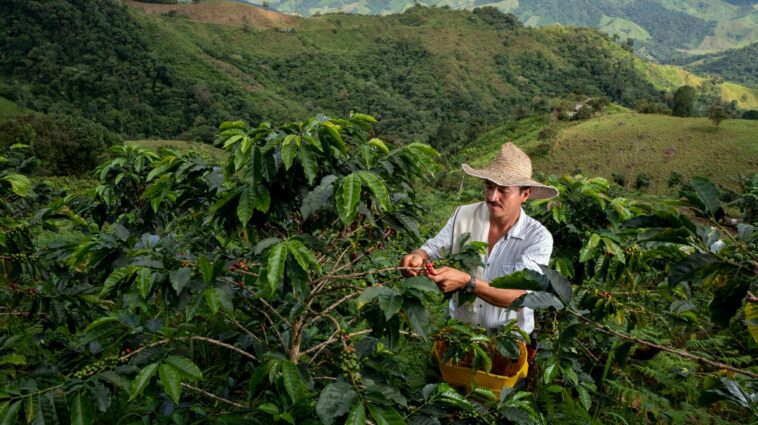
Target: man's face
504 201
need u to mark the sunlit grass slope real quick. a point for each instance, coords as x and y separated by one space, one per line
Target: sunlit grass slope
657 145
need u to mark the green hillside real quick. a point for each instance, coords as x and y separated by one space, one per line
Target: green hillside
442 76
660 28
657 145
739 65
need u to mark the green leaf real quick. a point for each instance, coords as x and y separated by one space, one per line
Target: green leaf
118 275
522 279
751 317
363 117
584 397
293 382
213 299
335 400
708 194
417 316
81 410
390 302
144 282
309 162
142 379
385 415
377 187
357 414
180 278
20 185
247 204
335 136
422 283
536 300
170 381
290 147
270 408
587 252
304 256
379 145
549 373
102 396
185 367
687 267
207 269
368 295
318 197
9 413
277 258
561 286
347 198
99 322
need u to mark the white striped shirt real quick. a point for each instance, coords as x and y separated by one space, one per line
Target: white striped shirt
526 245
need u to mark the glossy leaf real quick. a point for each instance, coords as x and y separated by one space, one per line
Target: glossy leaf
708 194
377 187
247 203
81 410
9 413
335 400
347 197
170 381
385 415
687 267
309 163
536 300
118 275
522 279
180 278
277 258
357 415
316 199
290 146
185 367
293 382
142 380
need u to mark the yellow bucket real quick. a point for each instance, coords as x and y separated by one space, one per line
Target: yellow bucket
463 376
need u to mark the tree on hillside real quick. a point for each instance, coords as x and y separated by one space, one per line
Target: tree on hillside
684 99
717 113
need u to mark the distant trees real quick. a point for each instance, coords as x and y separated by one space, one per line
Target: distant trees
717 113
684 101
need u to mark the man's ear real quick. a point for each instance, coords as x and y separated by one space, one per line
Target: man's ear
525 194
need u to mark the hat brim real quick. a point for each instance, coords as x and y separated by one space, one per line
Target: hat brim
539 190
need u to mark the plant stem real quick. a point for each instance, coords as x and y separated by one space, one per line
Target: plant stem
684 354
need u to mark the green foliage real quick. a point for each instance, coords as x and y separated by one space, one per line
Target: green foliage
64 144
717 113
180 291
684 100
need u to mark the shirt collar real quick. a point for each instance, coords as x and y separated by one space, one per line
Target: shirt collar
518 230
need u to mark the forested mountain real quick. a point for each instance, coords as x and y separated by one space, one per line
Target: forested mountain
740 65
441 75
659 28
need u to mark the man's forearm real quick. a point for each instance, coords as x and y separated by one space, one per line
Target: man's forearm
496 296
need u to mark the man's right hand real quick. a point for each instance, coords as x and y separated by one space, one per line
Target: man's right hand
413 262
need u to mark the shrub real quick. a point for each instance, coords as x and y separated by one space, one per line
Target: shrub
642 181
619 179
65 144
750 115
675 180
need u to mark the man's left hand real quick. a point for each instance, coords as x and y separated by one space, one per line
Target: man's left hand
449 279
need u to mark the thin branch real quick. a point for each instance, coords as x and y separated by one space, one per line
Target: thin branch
194 338
333 339
719 365
214 396
244 329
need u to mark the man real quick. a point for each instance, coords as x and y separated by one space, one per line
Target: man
514 240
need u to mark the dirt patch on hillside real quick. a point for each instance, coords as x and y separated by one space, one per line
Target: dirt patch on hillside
225 13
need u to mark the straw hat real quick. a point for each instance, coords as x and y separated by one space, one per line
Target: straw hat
512 167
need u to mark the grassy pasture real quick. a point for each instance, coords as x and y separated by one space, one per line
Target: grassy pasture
657 145
205 150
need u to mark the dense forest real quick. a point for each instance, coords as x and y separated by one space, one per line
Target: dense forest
740 65
138 79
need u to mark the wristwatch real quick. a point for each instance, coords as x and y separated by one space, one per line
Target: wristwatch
471 285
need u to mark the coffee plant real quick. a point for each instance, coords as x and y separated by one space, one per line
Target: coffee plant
266 289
